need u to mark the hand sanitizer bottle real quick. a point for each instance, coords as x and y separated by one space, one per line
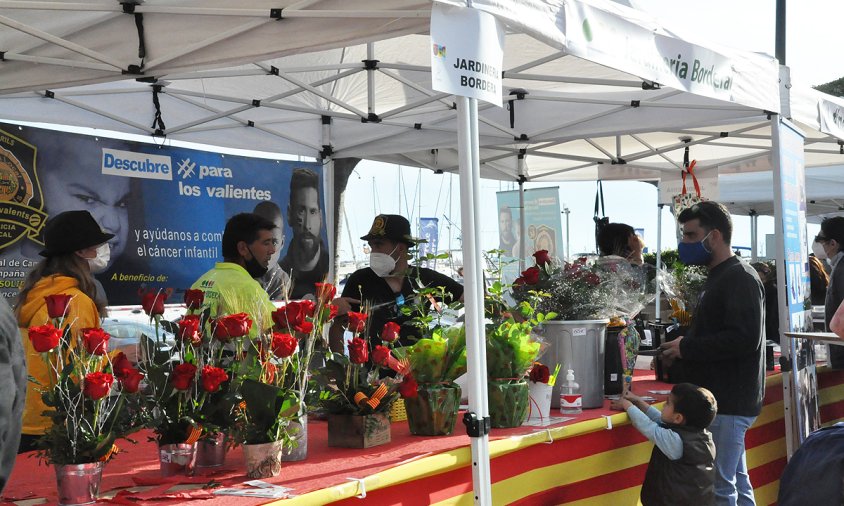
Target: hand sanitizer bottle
570 398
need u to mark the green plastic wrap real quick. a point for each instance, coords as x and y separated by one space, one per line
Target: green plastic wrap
508 403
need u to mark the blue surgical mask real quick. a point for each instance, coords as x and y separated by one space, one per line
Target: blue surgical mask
694 253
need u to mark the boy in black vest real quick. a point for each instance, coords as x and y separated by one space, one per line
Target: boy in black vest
682 466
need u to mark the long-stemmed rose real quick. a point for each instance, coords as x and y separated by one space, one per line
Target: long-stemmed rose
131 380
45 337
325 292
194 298
97 385
358 351
95 340
357 321
231 326
283 345
57 305
189 331
212 378
183 376
390 332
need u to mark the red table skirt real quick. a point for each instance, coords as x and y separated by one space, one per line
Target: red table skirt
583 460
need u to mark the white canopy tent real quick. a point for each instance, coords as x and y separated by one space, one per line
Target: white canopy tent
598 90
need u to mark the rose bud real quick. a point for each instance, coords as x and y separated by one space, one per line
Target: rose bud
212 377
390 332
182 376
153 302
357 321
97 385
131 381
284 344
95 340
358 351
44 338
57 305
232 326
194 298
189 329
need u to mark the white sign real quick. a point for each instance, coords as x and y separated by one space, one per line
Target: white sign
467 53
673 185
130 164
831 116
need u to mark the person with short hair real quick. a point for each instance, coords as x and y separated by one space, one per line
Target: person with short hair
307 257
831 241
390 284
508 240
724 349
230 287
276 282
74 245
13 377
682 466
620 239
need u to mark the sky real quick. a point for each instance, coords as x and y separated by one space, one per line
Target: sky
812 40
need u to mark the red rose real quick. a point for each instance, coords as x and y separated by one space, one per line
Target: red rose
357 321
531 275
390 332
308 308
269 372
288 316
189 329
542 257
408 387
97 385
232 326
120 365
95 340
325 292
182 376
332 311
540 373
194 298
593 279
153 302
212 377
380 355
284 344
131 381
57 305
519 281
358 351
44 338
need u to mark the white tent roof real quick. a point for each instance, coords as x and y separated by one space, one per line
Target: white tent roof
581 119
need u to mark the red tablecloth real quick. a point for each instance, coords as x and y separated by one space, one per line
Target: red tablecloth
325 467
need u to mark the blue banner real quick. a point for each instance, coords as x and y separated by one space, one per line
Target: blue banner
167 206
429 231
542 224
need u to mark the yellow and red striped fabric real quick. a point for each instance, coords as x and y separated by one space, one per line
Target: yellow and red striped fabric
583 464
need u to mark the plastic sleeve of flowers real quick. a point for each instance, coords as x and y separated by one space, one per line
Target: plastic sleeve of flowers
510 351
456 356
682 284
627 285
428 360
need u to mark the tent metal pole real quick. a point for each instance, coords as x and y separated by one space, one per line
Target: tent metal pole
328 180
522 225
657 308
477 418
754 232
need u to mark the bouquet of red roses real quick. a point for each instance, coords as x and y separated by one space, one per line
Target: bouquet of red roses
88 389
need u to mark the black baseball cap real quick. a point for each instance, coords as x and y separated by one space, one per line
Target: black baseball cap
72 231
393 227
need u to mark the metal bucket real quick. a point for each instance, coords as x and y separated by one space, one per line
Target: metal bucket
578 345
177 459
211 451
78 483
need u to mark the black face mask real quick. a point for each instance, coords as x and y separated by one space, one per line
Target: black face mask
254 267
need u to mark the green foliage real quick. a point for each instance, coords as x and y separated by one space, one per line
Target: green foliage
835 88
341 380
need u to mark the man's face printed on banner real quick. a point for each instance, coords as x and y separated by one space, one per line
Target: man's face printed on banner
306 220
76 187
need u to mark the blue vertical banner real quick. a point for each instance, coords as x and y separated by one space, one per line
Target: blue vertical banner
793 267
166 206
543 225
429 231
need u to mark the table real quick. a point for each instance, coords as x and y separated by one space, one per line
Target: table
576 462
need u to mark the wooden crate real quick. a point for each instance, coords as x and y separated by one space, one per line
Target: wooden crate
356 431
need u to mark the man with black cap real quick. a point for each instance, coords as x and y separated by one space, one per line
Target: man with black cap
389 283
230 287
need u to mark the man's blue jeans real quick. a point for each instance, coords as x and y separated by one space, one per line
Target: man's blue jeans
732 483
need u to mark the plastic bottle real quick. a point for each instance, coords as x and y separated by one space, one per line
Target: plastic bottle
570 398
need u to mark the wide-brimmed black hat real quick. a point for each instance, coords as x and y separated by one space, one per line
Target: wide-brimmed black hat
72 231
393 227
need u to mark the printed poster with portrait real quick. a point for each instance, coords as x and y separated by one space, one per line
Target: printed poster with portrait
543 226
167 207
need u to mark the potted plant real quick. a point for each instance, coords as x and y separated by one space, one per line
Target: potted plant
87 401
356 396
541 383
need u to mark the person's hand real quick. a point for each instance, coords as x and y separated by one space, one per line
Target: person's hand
619 404
836 324
670 351
344 304
630 396
636 245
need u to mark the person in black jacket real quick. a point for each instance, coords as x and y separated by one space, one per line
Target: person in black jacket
831 240
682 466
13 378
724 349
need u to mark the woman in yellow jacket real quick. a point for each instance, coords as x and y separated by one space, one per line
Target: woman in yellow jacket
74 245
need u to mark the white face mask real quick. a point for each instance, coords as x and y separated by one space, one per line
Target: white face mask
817 249
100 262
381 263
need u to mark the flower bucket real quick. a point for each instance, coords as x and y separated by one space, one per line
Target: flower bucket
433 411
78 483
578 345
263 460
539 407
508 403
211 451
358 431
298 450
177 459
